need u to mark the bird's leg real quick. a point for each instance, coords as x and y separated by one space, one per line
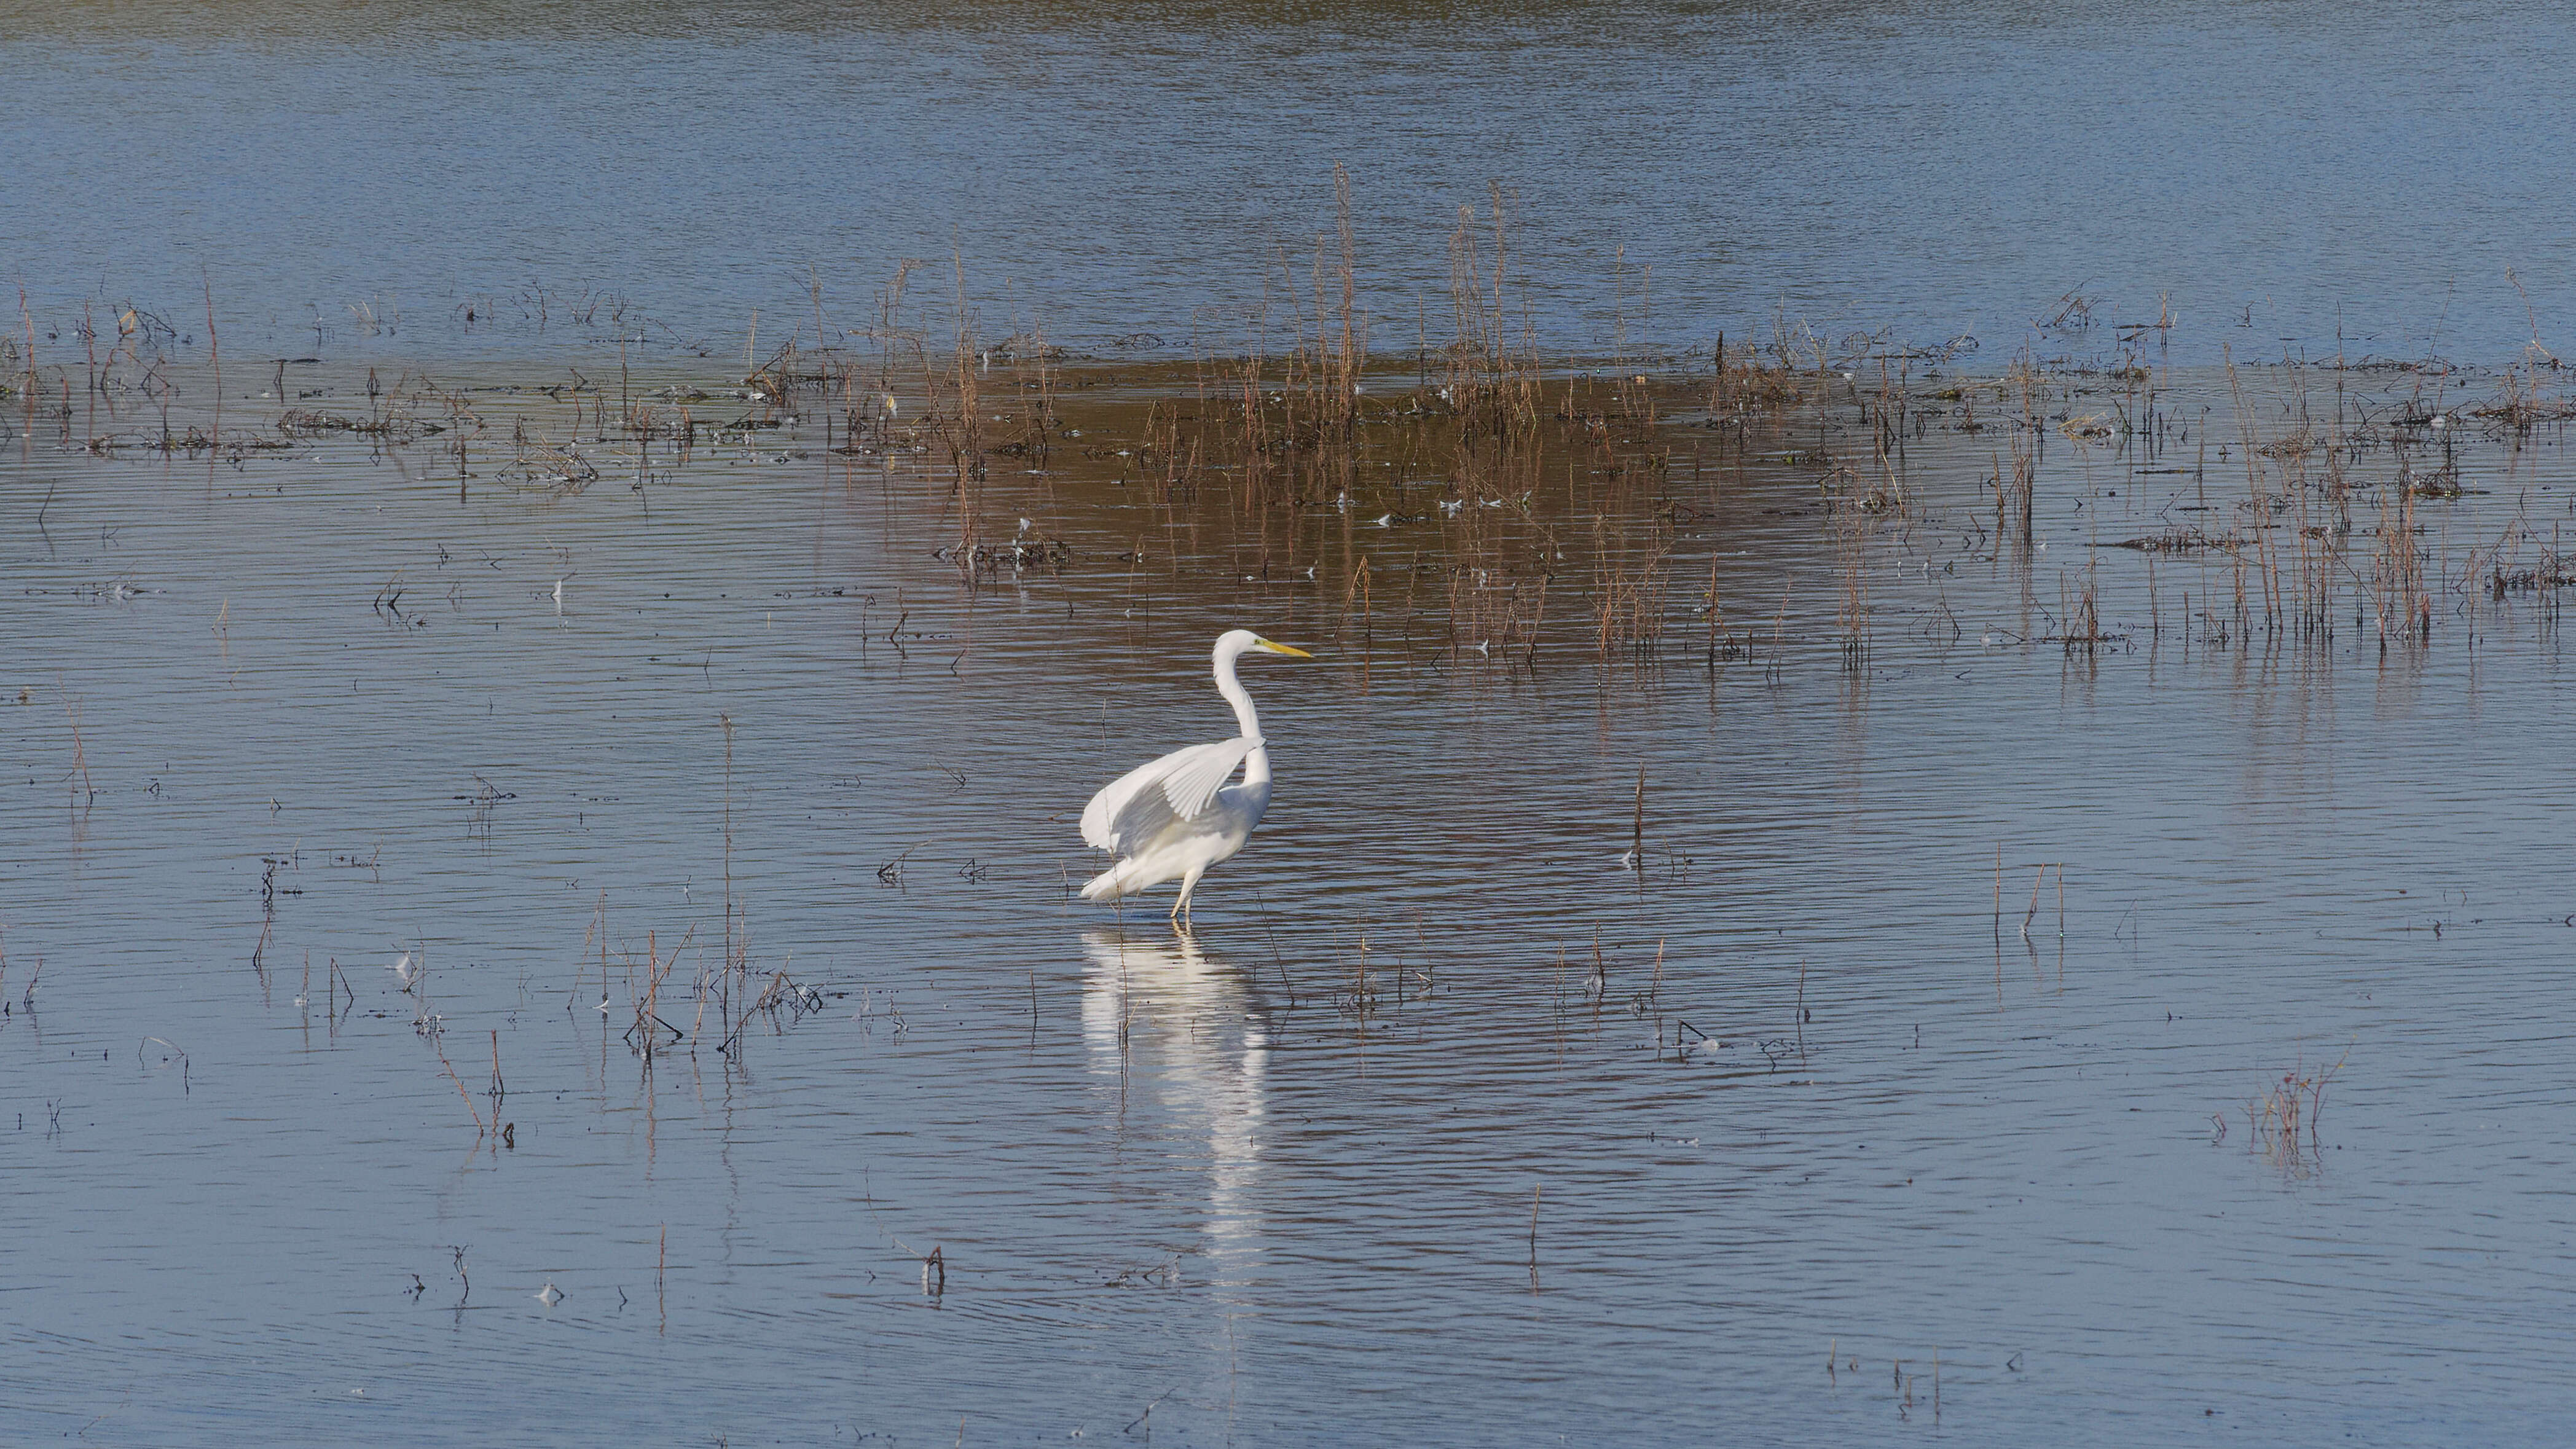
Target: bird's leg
1181 907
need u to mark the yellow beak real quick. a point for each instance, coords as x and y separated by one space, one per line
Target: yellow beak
1281 649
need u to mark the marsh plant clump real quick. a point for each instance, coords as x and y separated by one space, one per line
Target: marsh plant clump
1469 499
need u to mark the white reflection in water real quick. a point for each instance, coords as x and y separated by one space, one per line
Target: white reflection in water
1180 1029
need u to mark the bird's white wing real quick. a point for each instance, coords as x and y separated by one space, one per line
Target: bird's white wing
1148 800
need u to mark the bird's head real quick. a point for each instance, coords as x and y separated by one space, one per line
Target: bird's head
1233 644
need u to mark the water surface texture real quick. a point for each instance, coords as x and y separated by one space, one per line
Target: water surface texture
2279 169
519 923
360 809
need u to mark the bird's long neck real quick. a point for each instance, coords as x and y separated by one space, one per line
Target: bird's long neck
1256 766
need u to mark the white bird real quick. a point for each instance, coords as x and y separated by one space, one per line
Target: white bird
1177 816
403 972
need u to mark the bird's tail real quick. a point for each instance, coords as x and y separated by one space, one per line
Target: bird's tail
1115 883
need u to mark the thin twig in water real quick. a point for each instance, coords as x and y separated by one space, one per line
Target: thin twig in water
480 1131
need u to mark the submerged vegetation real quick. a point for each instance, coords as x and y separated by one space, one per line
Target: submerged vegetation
1468 497
1444 494
1445 501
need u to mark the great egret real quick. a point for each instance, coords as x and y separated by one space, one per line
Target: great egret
1177 816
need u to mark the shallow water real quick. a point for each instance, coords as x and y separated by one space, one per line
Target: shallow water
1274 1182
1442 1126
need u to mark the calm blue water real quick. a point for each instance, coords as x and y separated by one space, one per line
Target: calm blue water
2281 170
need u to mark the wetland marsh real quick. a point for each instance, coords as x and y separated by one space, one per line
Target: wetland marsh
1833 879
